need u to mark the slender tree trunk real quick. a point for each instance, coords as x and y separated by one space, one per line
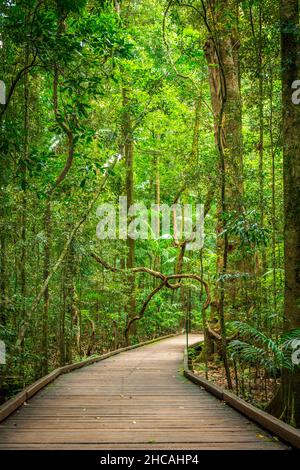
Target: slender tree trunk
23 163
46 271
24 192
129 186
3 294
61 323
274 224
261 136
156 168
70 300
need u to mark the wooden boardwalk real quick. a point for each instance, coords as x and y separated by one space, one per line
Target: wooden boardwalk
136 400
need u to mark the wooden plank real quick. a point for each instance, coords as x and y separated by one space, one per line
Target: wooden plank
137 399
279 428
274 425
11 405
209 386
147 446
92 360
15 402
125 425
130 435
41 383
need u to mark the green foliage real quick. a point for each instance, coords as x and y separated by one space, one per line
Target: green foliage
262 350
96 54
247 229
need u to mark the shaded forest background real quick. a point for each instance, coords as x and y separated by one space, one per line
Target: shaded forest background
164 102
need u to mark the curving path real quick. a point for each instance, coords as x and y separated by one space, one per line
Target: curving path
138 399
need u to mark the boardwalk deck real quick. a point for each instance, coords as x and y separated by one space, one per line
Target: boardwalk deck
136 400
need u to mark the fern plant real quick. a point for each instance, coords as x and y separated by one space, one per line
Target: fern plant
258 349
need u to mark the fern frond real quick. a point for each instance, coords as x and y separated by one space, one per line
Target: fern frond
259 337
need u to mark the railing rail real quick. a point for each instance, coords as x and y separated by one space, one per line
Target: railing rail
284 431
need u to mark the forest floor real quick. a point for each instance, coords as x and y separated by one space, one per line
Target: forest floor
258 392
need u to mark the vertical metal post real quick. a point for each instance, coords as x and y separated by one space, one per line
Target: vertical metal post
2 92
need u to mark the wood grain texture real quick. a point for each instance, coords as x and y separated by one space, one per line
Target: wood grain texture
15 402
136 400
286 432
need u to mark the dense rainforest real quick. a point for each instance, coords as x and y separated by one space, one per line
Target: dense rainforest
165 103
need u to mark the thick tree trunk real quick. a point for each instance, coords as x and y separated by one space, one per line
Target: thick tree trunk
222 57
287 403
291 161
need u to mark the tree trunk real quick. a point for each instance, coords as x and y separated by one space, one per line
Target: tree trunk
24 195
129 186
286 404
61 323
46 271
224 78
70 300
221 51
